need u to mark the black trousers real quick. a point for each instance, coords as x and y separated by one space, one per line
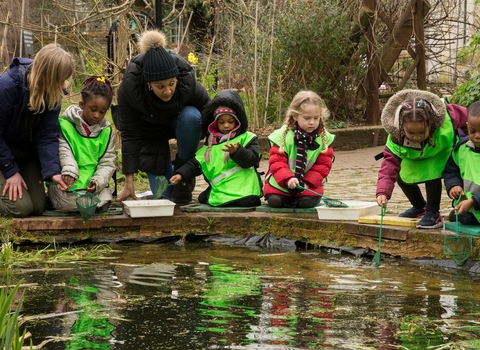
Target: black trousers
433 191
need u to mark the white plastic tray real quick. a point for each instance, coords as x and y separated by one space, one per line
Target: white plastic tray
148 208
353 212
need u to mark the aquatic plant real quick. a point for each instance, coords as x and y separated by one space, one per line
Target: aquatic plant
13 257
10 338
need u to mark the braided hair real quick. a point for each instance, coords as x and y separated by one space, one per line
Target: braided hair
97 86
297 107
417 110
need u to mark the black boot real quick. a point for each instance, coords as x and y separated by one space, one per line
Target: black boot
182 192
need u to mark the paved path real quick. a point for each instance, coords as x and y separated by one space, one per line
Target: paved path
354 177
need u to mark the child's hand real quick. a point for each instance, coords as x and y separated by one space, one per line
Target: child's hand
92 186
382 199
68 180
455 192
175 179
292 183
464 206
231 148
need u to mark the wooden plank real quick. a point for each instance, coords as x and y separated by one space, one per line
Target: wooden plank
388 220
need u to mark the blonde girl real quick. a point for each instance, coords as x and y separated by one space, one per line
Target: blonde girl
31 93
301 154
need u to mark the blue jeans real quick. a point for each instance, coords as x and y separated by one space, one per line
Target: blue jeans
186 129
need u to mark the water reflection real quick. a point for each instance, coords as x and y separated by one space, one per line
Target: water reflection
219 297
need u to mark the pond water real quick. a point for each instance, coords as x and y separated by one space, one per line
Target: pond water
210 296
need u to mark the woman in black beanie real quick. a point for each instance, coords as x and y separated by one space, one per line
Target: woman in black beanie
159 99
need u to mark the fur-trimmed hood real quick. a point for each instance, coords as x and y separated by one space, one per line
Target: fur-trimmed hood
228 98
393 105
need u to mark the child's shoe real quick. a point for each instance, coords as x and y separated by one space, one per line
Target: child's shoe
413 213
430 220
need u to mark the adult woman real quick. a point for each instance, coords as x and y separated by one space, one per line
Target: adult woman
31 100
159 99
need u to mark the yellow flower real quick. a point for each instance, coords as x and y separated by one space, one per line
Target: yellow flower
192 58
101 79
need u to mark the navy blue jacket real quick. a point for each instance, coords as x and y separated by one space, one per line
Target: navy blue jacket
43 139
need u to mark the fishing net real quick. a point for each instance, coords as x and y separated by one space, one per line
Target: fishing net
458 248
329 202
87 204
161 184
333 203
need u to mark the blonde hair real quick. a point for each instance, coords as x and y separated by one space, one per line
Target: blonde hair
51 66
297 107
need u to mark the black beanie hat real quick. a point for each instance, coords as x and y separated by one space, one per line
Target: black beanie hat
158 64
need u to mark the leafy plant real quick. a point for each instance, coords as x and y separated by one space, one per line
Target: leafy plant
10 338
467 93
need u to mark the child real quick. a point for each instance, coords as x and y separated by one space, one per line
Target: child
87 148
300 154
229 158
461 175
422 132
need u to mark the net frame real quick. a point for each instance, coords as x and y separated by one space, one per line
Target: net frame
87 204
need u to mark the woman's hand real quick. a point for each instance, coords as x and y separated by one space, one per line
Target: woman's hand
14 185
61 185
128 190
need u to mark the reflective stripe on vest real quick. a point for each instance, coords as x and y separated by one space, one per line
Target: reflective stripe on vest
228 181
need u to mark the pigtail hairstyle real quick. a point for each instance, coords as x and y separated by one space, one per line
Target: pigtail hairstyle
97 86
51 66
417 110
296 107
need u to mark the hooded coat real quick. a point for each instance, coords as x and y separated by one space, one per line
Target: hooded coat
247 156
391 164
106 165
104 170
144 124
25 136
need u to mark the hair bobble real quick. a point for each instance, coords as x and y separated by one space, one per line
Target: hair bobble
406 105
420 103
101 79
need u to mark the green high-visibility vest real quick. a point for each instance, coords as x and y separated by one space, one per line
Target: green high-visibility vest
468 161
228 180
427 164
290 148
86 150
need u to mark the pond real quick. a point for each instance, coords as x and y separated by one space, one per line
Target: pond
212 296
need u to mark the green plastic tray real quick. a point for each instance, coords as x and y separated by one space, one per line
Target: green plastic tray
473 230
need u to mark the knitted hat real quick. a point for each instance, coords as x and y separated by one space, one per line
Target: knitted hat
158 64
212 128
222 111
